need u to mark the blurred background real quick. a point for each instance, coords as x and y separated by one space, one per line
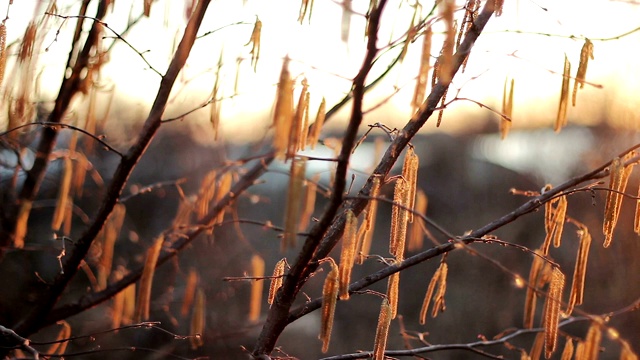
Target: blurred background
466 170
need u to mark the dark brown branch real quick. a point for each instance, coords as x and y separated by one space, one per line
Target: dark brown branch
33 321
277 315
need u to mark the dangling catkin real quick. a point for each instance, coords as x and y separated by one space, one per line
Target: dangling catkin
567 352
347 255
507 109
365 233
329 301
393 292
530 300
255 303
276 280
146 280
399 219
294 197
561 118
198 320
580 271
585 54
592 342
382 330
552 312
63 194
619 176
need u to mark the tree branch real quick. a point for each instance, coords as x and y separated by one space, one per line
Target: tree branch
33 320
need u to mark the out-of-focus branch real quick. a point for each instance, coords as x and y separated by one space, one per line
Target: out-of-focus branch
33 321
96 298
19 341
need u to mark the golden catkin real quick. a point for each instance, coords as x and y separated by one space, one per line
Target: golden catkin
365 233
255 43
411 33
189 292
626 353
117 310
3 50
619 176
60 346
314 133
592 342
110 233
561 118
447 9
255 302
206 194
302 143
423 72
347 254
146 280
530 300
296 130
555 216
636 223
224 187
309 206
147 7
198 320
216 105
63 194
580 270
305 6
567 352
552 312
416 234
438 299
536 348
382 330
507 108
410 174
294 197
276 280
585 54
129 304
283 112
329 301
399 219
26 47
393 286
430 290
579 351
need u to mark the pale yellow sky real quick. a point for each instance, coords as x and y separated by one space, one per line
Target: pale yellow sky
318 54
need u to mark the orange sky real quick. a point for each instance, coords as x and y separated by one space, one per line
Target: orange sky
319 54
